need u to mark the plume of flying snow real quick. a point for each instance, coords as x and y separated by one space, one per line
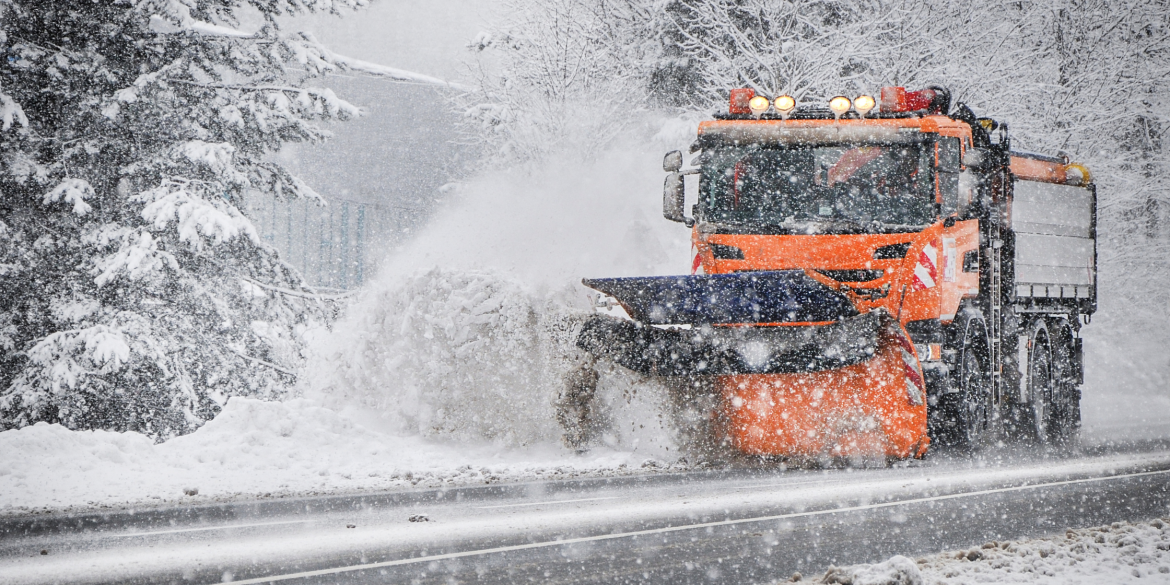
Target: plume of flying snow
468 329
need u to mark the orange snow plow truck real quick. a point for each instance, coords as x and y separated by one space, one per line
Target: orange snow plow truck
868 277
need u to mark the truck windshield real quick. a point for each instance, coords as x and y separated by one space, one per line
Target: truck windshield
823 188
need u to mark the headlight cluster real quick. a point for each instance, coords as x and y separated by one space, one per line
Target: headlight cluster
745 101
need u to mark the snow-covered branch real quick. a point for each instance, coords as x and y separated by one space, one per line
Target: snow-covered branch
11 112
300 294
196 217
257 360
309 50
396 74
161 25
73 192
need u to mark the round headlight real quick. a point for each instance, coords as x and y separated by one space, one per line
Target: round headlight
839 105
759 104
864 103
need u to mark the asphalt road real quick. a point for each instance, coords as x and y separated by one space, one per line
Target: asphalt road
738 526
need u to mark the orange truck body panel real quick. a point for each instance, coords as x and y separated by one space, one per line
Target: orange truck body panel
858 411
1038 170
938 297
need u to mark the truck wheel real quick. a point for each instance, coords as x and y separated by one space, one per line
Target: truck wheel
1065 421
1040 383
975 412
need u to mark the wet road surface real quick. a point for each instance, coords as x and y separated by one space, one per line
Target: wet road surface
742 526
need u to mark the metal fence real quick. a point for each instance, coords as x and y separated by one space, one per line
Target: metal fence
335 246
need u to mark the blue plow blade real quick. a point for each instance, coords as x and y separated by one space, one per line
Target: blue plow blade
781 296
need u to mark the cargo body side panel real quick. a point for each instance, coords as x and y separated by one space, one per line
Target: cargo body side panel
1055 251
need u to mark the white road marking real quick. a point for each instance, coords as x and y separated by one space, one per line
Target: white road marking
225 527
547 502
787 484
551 543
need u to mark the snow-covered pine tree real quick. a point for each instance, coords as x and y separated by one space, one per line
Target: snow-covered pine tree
134 293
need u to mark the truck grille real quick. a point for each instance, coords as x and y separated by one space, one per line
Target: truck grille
853 275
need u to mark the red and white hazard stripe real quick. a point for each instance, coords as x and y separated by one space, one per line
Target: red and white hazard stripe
696 261
915 385
926 269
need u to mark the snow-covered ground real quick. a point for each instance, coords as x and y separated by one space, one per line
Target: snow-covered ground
1123 552
265 449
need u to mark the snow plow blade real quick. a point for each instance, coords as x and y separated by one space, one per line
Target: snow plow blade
721 351
780 296
798 372
740 323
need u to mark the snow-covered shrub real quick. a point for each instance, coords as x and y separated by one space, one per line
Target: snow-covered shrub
481 357
136 295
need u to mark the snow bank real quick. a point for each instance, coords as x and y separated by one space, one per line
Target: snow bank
250 446
256 448
898 570
1119 553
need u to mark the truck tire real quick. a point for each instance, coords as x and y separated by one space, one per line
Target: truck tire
1040 380
974 411
1065 422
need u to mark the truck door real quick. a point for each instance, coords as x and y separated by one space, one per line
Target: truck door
960 238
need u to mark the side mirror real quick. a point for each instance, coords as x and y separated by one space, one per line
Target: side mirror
673 161
973 158
673 198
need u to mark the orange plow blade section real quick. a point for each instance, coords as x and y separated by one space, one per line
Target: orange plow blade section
872 409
